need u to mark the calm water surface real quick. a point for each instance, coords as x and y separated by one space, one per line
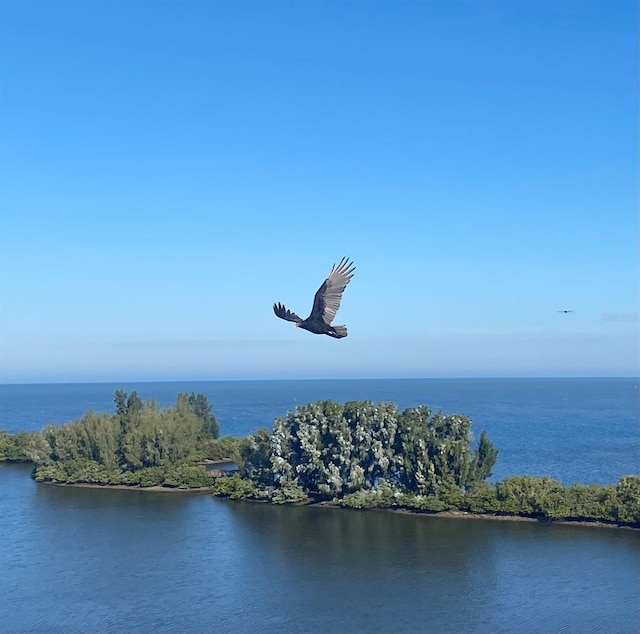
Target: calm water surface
107 561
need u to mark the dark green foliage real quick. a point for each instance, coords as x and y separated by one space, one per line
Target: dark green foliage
535 497
450 494
525 495
627 500
255 458
289 492
483 460
186 476
78 470
139 445
579 502
481 499
202 410
234 487
147 477
81 470
545 498
14 447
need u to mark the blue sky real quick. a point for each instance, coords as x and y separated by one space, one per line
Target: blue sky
170 169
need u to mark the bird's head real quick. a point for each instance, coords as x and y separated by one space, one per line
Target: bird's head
296 324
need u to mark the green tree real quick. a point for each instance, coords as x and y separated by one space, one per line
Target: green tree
483 462
13 447
200 407
255 458
526 495
627 500
127 413
138 436
332 450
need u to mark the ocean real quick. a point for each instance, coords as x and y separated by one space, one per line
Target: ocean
105 561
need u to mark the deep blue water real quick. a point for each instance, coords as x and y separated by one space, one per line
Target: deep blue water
575 430
105 561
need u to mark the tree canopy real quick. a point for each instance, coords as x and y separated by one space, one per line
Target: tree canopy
330 450
138 438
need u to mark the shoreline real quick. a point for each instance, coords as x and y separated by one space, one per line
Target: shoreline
126 487
464 515
450 514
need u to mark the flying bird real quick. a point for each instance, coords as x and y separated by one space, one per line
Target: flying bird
566 311
325 303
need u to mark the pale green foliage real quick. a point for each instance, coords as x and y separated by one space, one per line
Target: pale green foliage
332 450
383 496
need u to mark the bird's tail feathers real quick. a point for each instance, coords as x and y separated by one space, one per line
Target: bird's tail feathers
341 331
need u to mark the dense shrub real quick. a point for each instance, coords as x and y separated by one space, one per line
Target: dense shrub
140 445
626 505
289 492
223 448
234 487
13 447
382 496
78 471
525 495
187 476
332 450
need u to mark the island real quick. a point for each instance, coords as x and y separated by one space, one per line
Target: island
359 454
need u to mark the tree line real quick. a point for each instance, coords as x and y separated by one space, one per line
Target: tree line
366 455
357 455
139 444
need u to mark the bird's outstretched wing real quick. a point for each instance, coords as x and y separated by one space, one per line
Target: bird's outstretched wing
285 313
327 299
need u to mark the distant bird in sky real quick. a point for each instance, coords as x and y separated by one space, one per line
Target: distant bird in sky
566 311
325 303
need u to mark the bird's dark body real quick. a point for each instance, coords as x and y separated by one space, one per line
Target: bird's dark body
318 327
325 304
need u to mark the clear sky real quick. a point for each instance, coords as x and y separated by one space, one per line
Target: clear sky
169 169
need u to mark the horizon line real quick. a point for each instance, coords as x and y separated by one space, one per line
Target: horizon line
266 380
